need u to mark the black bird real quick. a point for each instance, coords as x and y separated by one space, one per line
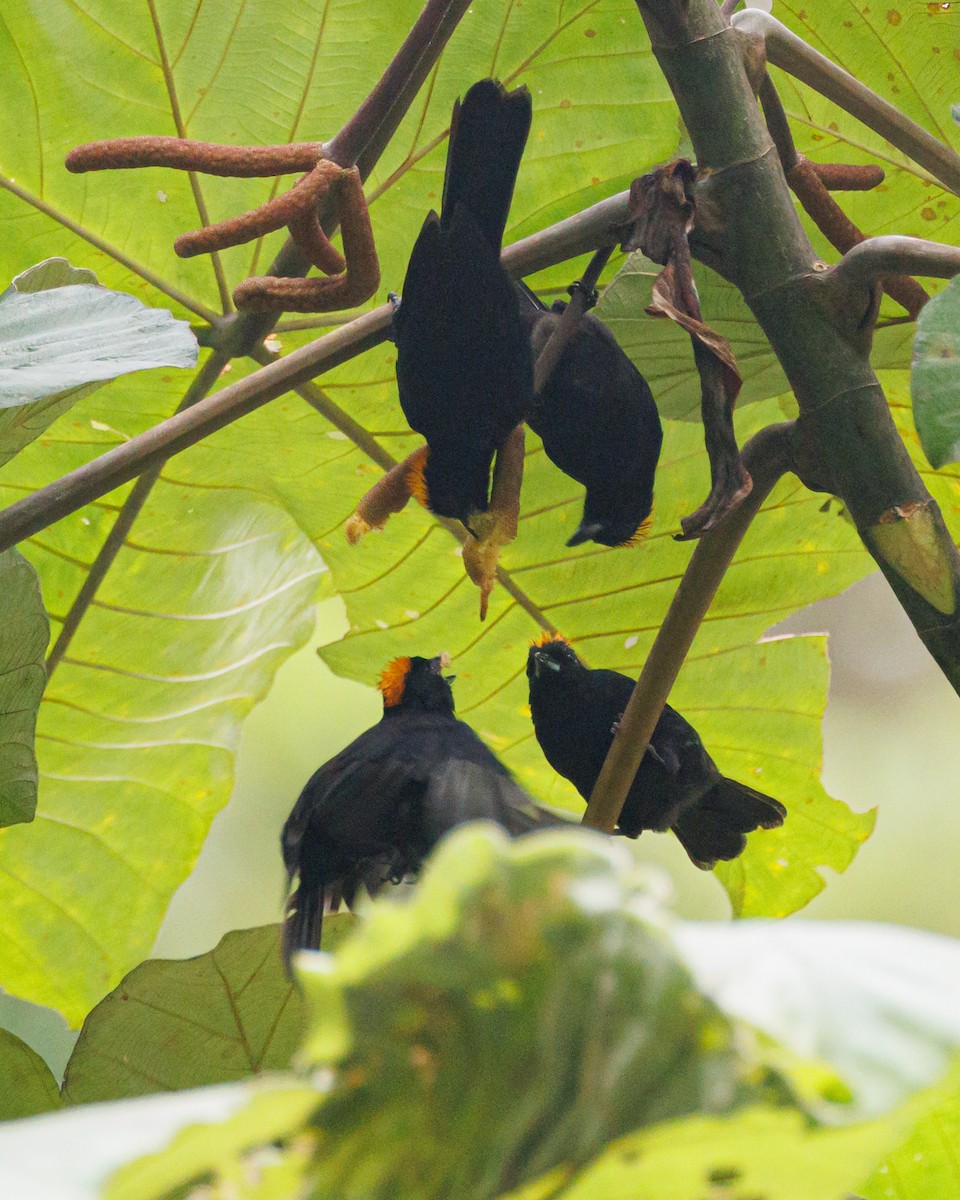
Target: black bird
678 786
463 358
376 810
599 424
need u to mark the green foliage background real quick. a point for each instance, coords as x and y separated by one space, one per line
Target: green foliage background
215 586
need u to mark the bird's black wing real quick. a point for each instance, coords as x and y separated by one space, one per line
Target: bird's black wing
463 360
461 791
715 828
354 821
599 424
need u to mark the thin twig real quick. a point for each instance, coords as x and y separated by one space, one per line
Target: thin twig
767 457
582 297
895 254
566 239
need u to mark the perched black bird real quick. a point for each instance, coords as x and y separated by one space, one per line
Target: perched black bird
678 786
463 357
376 810
599 424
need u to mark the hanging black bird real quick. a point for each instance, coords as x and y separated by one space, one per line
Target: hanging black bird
376 810
678 786
463 357
599 424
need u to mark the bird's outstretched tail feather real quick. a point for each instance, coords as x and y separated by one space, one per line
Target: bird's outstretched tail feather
488 133
715 828
304 920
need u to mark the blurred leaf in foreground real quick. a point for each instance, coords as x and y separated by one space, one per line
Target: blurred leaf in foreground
527 969
935 377
24 630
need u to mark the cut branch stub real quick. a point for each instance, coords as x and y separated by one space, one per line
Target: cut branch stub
664 213
353 276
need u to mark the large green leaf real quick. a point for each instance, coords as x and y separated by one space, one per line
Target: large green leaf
530 958
758 1153
241 1152
27 1086
24 630
212 586
547 961
585 144
925 1164
171 1025
140 720
875 1001
935 378
611 602
906 53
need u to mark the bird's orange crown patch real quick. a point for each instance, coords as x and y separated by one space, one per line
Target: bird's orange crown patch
640 534
546 638
416 479
392 681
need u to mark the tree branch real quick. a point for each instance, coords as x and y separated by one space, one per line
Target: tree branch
583 296
820 331
567 239
767 457
359 143
811 183
892 254
793 55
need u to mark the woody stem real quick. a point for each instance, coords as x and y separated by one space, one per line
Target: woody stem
767 457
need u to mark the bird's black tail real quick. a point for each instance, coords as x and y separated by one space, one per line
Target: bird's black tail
488 131
304 920
715 828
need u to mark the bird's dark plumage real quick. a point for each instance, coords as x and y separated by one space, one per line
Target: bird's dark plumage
463 357
376 810
678 786
599 424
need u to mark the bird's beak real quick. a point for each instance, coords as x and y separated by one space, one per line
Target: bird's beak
543 660
587 531
440 663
